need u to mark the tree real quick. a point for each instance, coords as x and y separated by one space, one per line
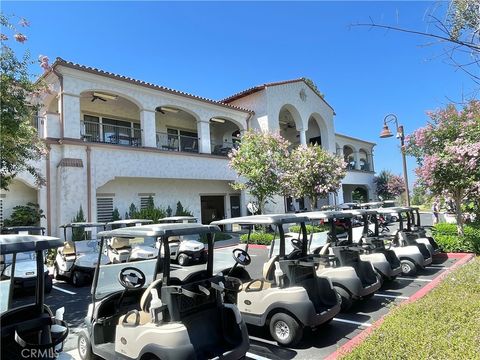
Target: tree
448 154
260 159
20 145
459 31
389 186
312 172
78 233
181 211
116 215
25 215
150 212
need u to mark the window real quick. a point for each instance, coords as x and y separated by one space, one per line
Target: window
146 201
186 140
104 209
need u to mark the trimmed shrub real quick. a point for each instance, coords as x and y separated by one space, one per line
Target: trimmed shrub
310 228
218 237
25 215
447 238
260 238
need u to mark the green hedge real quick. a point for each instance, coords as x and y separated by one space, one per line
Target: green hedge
446 237
310 228
442 325
260 238
218 237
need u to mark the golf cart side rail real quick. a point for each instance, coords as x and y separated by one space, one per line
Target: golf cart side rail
160 230
10 244
263 219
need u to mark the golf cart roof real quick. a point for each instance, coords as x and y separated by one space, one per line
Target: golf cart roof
130 221
10 244
10 229
176 218
156 230
373 203
264 219
348 205
82 225
361 212
319 215
389 210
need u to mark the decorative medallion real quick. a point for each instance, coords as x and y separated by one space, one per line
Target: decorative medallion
303 95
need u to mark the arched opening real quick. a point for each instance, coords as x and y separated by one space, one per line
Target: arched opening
20 193
176 129
363 160
314 136
290 123
360 194
109 118
348 156
224 135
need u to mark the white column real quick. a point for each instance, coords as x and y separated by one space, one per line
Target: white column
303 137
356 157
203 129
147 124
340 199
71 116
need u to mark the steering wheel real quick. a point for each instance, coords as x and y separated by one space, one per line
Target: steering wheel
297 244
241 257
131 278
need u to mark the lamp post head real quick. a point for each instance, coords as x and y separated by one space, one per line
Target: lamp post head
386 133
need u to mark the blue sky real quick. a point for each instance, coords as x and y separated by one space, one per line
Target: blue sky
215 49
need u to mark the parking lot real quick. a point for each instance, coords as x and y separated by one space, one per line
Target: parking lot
316 344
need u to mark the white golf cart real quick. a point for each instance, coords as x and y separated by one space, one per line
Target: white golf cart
118 249
76 260
29 331
148 310
290 296
26 267
185 249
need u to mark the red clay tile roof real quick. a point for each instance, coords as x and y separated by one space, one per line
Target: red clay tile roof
257 88
72 65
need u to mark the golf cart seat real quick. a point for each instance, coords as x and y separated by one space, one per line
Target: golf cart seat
120 245
68 249
144 316
269 268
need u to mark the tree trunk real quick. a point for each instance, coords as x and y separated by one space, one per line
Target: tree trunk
458 213
313 203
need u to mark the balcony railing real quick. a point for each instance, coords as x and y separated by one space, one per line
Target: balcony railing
111 134
173 142
224 148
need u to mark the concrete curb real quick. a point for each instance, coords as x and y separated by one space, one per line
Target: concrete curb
358 339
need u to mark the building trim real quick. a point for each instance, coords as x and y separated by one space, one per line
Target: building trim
354 138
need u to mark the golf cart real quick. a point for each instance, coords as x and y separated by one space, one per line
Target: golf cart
117 249
413 255
289 296
385 261
26 266
419 232
371 205
352 277
29 331
76 260
149 310
185 249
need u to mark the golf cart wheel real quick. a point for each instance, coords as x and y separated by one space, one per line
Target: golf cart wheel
285 330
408 268
182 260
48 284
78 279
346 303
85 347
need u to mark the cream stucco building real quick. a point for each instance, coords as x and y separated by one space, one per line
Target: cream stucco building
114 141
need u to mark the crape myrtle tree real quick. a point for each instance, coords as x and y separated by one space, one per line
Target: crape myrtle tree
448 154
260 160
19 145
312 172
389 186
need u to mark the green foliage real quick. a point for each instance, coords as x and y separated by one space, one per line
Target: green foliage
150 212
181 211
447 237
388 185
25 215
169 211
310 228
116 215
218 237
314 87
20 145
441 325
260 238
78 233
131 211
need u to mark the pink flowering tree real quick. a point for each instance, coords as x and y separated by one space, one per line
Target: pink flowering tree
259 161
312 172
19 143
448 154
389 186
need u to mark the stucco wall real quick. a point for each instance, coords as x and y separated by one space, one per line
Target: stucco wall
18 194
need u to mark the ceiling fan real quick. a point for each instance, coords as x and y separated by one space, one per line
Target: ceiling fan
96 97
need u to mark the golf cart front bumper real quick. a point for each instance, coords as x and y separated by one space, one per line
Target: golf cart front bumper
26 282
88 271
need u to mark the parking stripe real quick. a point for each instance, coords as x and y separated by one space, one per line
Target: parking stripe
436 267
65 291
352 322
256 357
393 296
413 279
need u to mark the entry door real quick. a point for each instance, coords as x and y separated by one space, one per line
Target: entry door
213 208
235 205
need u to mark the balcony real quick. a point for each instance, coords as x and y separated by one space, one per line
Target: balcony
224 148
176 142
112 134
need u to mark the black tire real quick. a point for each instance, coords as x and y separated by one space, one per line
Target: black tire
369 296
408 268
56 272
78 279
285 330
85 347
48 284
182 260
346 303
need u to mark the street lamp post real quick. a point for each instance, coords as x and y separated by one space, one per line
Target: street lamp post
386 133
